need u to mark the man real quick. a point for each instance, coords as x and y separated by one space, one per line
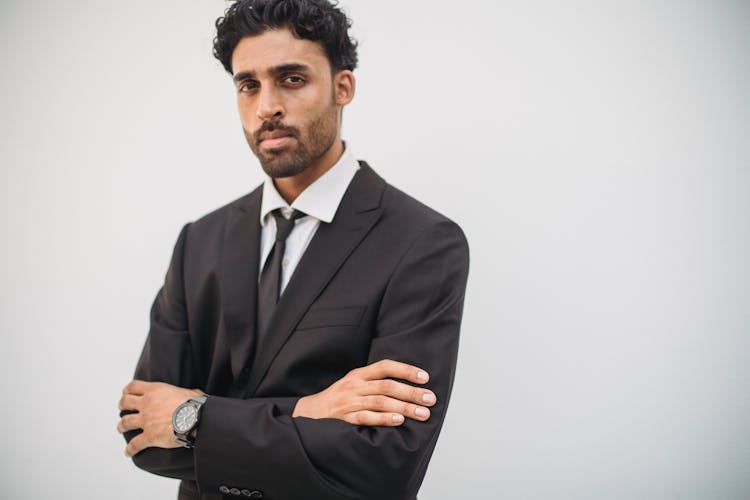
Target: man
304 343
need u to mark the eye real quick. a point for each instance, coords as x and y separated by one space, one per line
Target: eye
294 80
248 87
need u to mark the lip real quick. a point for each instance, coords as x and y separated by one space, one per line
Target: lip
274 138
275 142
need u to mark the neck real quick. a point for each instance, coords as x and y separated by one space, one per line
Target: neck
291 187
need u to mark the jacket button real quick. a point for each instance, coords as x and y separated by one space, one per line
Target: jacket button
223 489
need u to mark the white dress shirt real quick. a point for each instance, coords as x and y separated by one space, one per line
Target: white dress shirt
319 201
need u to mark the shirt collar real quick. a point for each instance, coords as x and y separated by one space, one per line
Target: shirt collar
320 199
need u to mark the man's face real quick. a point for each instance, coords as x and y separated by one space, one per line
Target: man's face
287 98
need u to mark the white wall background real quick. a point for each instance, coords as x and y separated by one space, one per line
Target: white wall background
596 153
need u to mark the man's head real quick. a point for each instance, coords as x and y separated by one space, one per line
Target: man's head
291 62
315 20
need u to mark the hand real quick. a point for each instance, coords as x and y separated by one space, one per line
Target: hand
155 403
368 396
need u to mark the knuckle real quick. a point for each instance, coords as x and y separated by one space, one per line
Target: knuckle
386 386
381 365
379 402
347 385
360 404
365 403
416 395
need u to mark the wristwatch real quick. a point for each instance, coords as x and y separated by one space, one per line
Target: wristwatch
185 420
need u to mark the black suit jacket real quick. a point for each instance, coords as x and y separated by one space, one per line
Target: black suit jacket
385 279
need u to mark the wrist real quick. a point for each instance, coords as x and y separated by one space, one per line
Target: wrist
300 407
185 420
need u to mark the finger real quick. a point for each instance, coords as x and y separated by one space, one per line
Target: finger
401 391
137 387
384 404
373 418
135 445
129 402
387 368
129 423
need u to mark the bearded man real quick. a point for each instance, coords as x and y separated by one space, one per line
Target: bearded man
304 343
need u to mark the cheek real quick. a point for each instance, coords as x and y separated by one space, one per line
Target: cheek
313 115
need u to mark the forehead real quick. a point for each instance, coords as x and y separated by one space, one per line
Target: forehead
275 47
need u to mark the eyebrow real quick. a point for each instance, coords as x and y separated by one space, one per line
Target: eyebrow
276 70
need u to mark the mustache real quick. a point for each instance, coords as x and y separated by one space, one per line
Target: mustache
272 127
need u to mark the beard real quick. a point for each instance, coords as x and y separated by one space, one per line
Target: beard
309 144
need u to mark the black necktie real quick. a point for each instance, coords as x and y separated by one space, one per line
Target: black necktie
270 278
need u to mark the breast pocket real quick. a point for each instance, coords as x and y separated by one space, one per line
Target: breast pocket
331 317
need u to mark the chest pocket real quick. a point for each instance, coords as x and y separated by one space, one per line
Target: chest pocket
328 317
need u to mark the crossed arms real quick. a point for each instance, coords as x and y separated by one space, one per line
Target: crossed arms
365 436
365 396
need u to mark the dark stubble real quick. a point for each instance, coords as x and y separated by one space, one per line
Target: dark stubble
309 146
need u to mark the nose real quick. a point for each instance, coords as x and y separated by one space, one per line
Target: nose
269 105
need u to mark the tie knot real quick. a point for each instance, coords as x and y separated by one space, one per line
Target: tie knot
284 226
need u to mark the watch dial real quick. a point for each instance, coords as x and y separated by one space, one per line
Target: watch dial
185 418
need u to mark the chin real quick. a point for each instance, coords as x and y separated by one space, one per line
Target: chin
281 169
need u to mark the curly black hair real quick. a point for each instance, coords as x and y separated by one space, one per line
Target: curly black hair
316 20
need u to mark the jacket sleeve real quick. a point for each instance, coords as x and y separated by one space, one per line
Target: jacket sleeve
167 357
251 444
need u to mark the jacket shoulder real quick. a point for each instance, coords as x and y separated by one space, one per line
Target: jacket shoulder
409 213
215 221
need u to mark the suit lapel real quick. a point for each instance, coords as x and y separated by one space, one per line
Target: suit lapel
332 244
240 277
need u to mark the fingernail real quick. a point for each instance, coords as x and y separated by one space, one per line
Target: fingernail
421 412
428 398
397 419
422 375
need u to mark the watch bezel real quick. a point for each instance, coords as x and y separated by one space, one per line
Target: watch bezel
180 409
184 437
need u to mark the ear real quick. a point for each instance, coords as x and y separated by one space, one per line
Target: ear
344 85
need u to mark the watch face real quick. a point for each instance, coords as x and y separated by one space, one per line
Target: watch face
185 418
